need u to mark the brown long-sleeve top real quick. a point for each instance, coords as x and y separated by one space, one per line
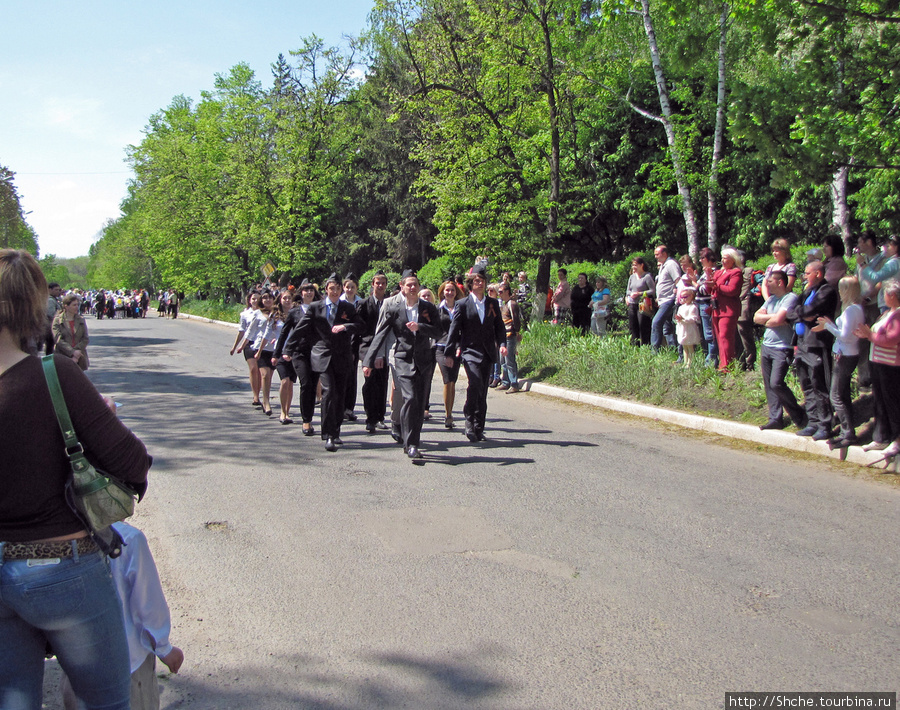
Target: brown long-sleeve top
33 463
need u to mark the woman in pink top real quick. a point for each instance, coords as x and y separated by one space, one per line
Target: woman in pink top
724 286
885 361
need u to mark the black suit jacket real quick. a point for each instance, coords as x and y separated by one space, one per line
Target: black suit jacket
367 315
824 303
412 351
313 333
479 341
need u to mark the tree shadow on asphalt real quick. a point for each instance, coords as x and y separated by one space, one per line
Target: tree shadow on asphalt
304 682
215 423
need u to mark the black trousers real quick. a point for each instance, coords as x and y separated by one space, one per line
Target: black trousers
374 395
350 398
475 408
334 385
308 380
814 373
638 325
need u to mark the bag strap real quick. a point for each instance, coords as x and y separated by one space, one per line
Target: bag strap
59 406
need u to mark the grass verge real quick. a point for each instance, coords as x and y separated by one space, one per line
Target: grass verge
612 366
212 309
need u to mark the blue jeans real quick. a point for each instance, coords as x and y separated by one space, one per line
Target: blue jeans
709 337
663 326
72 604
510 366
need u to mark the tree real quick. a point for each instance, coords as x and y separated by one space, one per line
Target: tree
15 232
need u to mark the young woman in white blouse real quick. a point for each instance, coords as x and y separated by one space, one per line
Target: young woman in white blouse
845 356
248 316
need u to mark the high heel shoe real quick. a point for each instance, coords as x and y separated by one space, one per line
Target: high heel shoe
888 454
876 446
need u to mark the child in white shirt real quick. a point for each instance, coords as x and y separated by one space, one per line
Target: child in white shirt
687 325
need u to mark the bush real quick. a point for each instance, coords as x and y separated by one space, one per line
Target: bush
216 310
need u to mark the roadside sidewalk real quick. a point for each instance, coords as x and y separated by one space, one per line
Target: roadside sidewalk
721 427
735 430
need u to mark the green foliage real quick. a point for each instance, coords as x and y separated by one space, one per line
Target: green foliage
15 232
213 309
54 271
440 269
523 131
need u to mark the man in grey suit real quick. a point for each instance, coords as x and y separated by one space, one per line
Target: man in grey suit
412 322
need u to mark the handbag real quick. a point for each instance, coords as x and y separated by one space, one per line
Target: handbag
97 498
647 305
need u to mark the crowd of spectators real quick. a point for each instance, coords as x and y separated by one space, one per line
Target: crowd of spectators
821 320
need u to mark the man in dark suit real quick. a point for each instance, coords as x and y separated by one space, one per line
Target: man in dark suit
374 389
813 350
412 322
477 330
325 329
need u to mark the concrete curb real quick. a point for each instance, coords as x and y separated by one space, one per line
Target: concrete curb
208 320
734 430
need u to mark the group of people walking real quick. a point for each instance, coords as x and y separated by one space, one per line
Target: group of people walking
321 340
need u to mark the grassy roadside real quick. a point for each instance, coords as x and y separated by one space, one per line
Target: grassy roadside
212 309
612 366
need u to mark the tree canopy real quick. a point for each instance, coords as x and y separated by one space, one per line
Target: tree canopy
523 130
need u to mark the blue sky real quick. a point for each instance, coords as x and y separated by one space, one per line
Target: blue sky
79 82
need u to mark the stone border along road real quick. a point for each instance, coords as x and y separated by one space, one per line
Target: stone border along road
710 425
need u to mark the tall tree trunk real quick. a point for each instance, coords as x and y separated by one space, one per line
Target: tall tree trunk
553 115
690 220
712 233
840 209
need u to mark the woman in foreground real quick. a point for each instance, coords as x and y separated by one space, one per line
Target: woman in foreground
55 584
70 334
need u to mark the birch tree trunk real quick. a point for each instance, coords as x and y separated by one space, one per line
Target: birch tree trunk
718 136
690 220
840 209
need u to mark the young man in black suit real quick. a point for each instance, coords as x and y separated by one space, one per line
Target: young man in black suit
813 350
374 389
412 322
326 329
477 330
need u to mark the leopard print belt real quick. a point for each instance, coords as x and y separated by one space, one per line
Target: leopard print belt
47 550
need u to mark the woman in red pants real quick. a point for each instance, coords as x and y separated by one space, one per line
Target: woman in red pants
724 286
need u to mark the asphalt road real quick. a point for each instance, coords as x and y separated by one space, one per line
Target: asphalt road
575 560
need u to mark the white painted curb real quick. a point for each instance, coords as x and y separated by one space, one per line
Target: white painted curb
735 430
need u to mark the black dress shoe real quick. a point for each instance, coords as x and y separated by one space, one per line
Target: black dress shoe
370 428
808 431
350 416
773 424
330 445
413 453
481 436
338 441
471 436
395 436
309 431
